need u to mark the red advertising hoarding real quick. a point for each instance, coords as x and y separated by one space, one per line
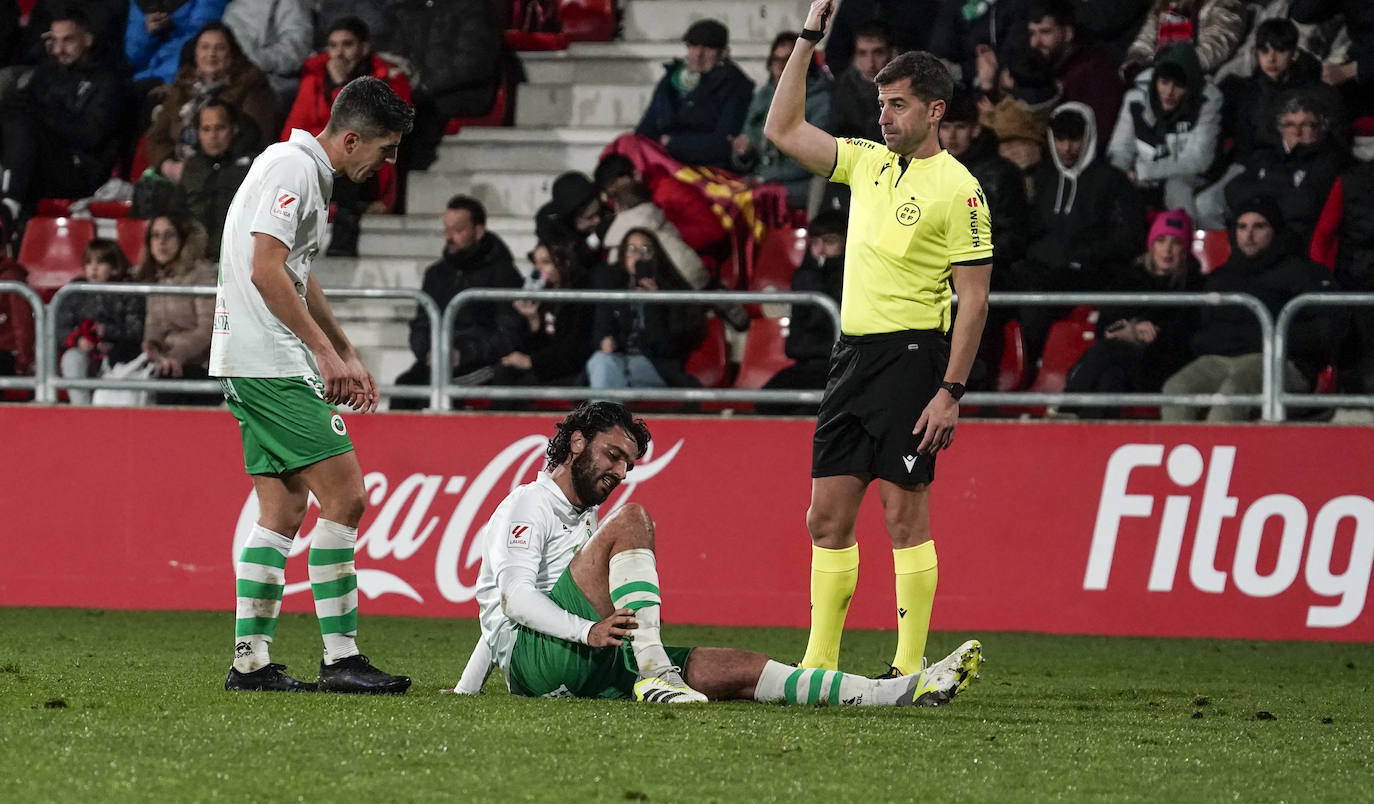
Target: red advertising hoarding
1243 531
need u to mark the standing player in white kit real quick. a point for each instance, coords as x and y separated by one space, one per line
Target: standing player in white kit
284 363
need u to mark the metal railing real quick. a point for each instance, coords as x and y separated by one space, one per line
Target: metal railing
703 297
1290 311
54 381
42 346
1264 400
1271 399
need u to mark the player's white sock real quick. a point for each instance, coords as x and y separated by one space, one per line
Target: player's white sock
260 576
334 583
801 685
634 585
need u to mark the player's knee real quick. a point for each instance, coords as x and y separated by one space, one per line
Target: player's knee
825 527
346 509
632 522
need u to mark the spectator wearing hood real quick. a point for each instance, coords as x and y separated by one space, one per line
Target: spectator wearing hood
483 332
700 104
751 152
1299 172
1087 221
1213 27
1266 262
1138 348
575 218
1166 135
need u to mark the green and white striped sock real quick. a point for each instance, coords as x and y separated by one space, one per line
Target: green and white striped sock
633 576
334 582
800 685
260 576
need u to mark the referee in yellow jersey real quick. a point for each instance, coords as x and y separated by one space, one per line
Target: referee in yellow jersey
917 221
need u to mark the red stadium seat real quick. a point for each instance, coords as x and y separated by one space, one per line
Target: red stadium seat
1011 375
140 159
1211 247
709 362
588 20
764 353
111 209
528 41
1067 341
51 251
1326 381
496 116
129 232
54 207
777 258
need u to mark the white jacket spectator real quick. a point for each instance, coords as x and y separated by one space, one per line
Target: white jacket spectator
275 35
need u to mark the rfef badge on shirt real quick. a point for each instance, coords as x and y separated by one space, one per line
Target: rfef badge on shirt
285 204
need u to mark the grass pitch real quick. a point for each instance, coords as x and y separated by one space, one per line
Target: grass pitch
121 706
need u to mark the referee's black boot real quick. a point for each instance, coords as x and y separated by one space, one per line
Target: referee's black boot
266 679
356 674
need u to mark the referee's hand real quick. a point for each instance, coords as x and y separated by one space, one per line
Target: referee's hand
610 631
818 14
937 421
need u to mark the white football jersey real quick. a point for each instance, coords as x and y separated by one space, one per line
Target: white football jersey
535 527
285 195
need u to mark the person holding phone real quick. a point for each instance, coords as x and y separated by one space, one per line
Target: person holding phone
644 345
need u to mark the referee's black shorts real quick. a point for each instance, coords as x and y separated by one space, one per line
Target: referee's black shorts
877 387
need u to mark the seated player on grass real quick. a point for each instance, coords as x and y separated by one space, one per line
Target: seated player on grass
570 605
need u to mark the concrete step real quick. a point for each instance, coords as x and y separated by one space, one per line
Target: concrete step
371 311
503 192
668 20
370 272
629 63
585 105
379 334
552 150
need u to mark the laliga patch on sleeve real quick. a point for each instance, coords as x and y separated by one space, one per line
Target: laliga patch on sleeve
284 204
519 535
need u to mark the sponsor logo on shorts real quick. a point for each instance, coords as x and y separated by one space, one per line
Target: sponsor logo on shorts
284 204
908 214
336 423
910 461
519 535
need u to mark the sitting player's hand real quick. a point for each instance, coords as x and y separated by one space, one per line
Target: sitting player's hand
609 632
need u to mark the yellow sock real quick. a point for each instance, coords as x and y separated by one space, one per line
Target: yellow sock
916 574
834 574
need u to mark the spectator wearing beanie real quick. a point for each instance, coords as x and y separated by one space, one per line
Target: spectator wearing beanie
575 218
1138 348
1265 262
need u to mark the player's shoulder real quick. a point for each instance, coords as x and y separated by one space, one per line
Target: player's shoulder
533 502
953 173
858 148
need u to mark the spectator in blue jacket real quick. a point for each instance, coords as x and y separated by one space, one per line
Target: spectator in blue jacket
157 30
700 105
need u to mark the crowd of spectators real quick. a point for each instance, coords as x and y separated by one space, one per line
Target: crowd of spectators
1103 132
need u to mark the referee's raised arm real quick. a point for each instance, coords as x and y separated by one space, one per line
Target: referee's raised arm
786 126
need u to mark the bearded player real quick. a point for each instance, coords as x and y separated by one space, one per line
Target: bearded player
570 605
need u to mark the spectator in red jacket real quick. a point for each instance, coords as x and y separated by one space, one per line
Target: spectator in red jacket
347 55
16 323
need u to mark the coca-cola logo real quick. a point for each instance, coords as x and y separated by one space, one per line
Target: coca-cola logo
1306 544
403 517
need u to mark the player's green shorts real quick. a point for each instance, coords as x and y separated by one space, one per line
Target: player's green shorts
543 666
285 422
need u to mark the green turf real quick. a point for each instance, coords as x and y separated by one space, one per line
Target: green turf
118 706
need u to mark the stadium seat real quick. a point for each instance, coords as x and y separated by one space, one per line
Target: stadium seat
496 116
1011 374
1211 247
140 159
51 251
1326 381
1069 338
531 41
111 209
708 363
764 353
777 258
54 207
129 233
588 20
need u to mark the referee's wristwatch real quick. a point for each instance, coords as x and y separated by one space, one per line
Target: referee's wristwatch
956 389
